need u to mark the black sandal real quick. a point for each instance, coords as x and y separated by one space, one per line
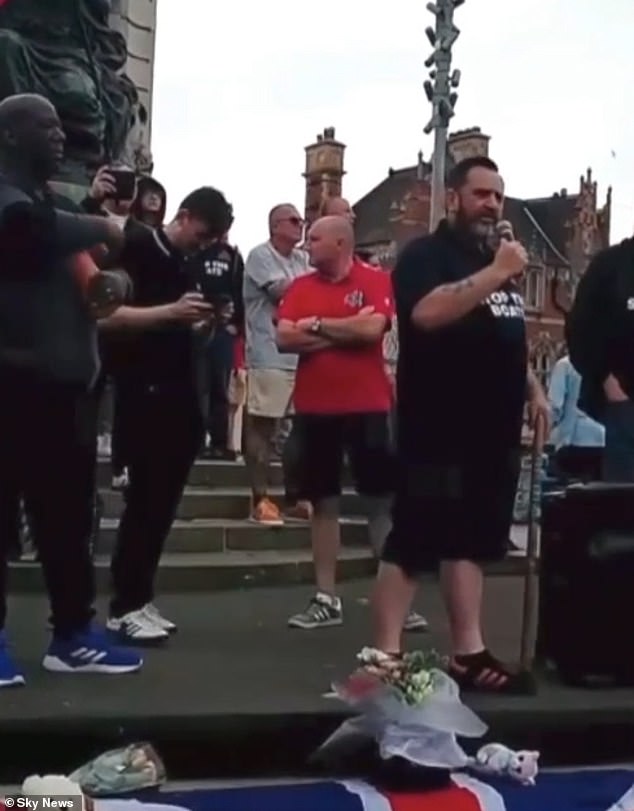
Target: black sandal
483 673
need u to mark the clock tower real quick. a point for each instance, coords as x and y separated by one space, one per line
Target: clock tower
324 172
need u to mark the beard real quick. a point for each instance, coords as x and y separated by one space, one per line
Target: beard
482 233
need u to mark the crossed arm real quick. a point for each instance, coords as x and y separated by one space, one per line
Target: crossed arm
300 337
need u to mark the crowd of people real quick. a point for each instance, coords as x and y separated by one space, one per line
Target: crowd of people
419 378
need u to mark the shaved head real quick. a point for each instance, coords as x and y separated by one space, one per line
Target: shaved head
14 109
31 136
331 245
336 228
337 207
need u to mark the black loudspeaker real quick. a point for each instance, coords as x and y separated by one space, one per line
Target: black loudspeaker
586 580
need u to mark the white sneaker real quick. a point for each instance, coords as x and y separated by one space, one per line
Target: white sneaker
323 611
415 622
137 628
158 619
121 481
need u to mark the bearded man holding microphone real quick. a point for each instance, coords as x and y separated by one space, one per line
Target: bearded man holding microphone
462 383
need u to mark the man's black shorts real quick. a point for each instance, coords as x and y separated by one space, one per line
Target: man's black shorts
457 511
324 440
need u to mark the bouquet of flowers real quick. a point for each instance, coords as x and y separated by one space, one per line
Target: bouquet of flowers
131 768
410 707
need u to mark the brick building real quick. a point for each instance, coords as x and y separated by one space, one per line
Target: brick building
561 232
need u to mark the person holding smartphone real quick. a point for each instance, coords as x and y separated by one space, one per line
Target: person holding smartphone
217 273
161 385
134 203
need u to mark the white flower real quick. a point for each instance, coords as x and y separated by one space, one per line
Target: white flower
422 680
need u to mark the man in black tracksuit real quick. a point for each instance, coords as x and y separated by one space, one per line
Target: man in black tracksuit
169 319
217 273
600 336
48 363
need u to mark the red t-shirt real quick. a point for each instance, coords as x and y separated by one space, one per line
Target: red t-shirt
340 380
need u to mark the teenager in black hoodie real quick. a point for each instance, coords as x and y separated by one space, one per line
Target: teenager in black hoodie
146 208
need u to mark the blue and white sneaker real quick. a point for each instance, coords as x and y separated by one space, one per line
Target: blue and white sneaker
10 676
90 651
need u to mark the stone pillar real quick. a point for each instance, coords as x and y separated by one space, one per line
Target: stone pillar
136 20
324 172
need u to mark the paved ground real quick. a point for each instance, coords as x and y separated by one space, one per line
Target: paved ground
233 653
235 676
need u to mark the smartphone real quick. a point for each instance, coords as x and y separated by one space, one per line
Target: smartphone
125 182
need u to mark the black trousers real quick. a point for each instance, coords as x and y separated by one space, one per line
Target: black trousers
220 363
48 434
122 428
10 536
167 435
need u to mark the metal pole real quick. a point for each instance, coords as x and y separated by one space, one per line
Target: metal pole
440 91
438 178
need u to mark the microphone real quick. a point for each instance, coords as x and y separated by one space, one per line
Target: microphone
504 230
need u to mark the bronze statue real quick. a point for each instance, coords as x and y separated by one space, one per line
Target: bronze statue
66 51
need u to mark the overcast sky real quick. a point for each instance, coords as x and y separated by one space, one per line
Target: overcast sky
241 87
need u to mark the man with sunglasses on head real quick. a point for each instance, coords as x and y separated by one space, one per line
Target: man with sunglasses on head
269 271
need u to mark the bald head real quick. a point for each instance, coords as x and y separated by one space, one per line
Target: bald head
337 207
331 245
336 228
31 136
14 109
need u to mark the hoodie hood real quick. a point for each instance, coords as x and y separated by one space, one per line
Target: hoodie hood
144 185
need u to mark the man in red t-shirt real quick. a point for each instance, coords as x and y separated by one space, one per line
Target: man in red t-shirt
335 319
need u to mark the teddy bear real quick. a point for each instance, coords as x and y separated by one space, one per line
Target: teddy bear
499 760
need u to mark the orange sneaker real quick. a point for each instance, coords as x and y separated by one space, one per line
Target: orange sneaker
266 512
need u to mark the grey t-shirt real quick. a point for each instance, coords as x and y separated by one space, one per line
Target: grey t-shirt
264 270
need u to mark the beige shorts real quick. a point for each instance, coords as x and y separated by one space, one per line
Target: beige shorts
270 393
237 392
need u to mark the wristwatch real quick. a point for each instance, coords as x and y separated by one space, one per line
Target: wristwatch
315 327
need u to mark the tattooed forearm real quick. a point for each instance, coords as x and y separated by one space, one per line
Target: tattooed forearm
457 287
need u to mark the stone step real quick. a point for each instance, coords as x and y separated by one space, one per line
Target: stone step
206 473
236 569
216 571
221 535
222 502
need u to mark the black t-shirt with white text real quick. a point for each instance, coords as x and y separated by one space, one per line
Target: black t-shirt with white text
460 388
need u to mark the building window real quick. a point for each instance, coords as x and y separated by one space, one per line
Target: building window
543 356
542 366
534 287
